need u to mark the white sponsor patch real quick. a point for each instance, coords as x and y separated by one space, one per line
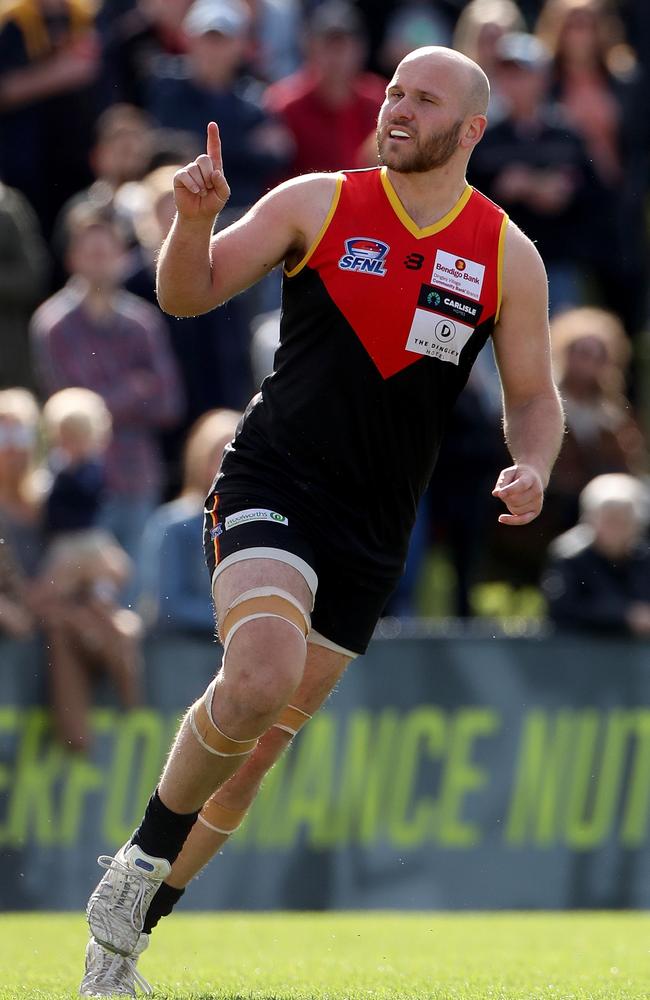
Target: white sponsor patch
254 514
437 336
459 274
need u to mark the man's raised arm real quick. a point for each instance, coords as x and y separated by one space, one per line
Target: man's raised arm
198 271
533 417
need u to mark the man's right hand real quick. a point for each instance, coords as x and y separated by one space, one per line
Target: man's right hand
200 188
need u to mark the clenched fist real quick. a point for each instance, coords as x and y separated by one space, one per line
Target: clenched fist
521 489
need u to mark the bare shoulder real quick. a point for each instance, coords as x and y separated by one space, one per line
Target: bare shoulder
523 267
304 199
305 202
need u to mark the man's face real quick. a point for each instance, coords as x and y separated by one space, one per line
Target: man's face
336 56
616 529
420 122
123 155
98 256
524 88
215 57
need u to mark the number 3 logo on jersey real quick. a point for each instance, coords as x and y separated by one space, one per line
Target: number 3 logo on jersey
364 255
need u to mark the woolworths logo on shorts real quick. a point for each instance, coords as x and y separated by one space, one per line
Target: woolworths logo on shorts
254 514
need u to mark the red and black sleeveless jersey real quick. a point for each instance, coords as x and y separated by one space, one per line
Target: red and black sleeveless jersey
381 323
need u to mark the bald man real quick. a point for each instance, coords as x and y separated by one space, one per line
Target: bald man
394 279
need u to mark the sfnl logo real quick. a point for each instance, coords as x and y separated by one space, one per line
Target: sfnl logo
364 255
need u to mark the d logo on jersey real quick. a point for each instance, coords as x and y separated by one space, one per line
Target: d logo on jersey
364 255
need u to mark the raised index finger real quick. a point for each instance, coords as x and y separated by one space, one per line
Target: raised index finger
213 147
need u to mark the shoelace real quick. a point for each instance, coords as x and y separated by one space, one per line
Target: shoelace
136 885
115 971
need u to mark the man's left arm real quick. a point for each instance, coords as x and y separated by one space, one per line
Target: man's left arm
533 417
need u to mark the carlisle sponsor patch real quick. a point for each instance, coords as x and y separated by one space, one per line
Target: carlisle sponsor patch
254 514
458 274
449 304
364 255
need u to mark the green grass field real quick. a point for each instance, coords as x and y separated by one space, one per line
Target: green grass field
374 956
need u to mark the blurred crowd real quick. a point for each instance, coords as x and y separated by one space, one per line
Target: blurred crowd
114 416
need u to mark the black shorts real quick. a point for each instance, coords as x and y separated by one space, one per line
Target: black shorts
347 603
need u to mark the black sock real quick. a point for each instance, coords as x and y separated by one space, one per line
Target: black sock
161 905
162 832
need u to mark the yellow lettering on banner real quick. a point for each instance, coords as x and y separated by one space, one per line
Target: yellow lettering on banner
139 752
9 718
595 776
360 799
544 753
462 776
422 734
39 765
83 777
311 782
634 827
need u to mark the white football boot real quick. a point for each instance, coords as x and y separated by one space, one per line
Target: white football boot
108 974
118 906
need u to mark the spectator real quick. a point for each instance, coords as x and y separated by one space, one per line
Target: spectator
590 354
481 25
95 335
596 79
537 168
173 594
50 64
378 13
137 39
23 270
16 618
459 500
211 351
83 572
208 85
330 105
21 498
22 485
598 578
412 25
120 153
275 32
78 426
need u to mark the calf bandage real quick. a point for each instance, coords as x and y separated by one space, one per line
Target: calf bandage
292 720
216 817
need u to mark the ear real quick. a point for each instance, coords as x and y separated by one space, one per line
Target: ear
473 131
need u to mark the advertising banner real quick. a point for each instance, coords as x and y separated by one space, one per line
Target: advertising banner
443 773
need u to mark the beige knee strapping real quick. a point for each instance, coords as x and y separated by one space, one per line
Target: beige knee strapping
222 820
292 720
263 602
208 733
259 602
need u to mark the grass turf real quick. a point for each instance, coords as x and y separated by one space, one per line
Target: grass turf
345 956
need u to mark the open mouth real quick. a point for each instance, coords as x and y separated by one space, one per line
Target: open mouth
398 134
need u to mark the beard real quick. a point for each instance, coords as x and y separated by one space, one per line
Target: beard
434 152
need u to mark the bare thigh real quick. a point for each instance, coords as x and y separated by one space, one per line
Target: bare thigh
250 573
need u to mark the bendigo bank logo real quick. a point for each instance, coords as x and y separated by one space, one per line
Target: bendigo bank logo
364 255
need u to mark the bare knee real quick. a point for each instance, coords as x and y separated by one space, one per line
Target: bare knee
263 667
